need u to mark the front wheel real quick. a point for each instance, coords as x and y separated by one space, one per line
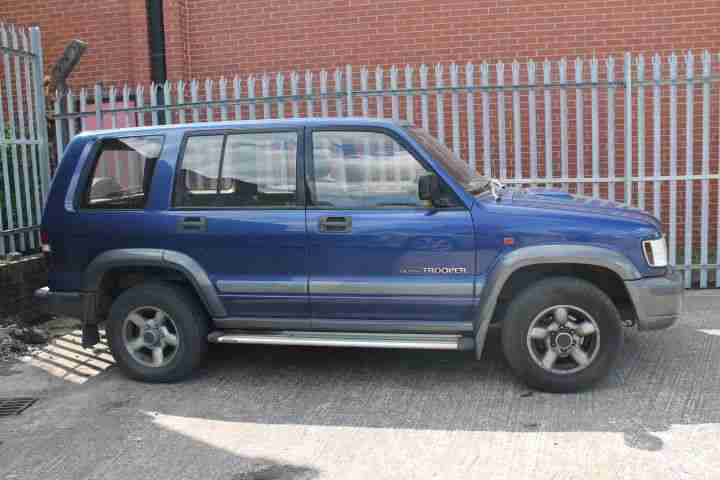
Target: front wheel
562 334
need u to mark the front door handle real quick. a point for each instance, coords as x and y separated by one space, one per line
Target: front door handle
192 224
335 224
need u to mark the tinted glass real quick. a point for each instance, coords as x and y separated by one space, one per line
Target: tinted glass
259 170
360 170
196 182
122 173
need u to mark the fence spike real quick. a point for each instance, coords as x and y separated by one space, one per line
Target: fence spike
140 101
265 91
672 241
516 120
83 107
309 106
502 147
470 112
640 75
364 76
222 95
689 160
628 124
280 92
532 119
562 68
455 107
349 88
595 116
209 98
440 102
579 128
705 184
610 66
237 95
487 144
409 98
323 93
295 91
657 133
424 108
338 92
394 100
180 99
112 95
194 95
379 99
251 96
547 117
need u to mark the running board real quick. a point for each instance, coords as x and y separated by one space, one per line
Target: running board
346 339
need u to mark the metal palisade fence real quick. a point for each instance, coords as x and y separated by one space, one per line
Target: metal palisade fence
639 130
24 169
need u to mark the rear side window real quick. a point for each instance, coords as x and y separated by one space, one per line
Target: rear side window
122 173
238 170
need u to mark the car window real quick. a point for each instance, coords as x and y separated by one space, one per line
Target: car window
360 170
122 173
197 180
259 170
238 170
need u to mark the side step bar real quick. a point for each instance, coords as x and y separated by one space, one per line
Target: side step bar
346 339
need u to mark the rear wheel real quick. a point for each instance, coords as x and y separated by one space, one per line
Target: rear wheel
157 332
562 334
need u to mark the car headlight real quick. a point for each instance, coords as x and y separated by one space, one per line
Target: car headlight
656 252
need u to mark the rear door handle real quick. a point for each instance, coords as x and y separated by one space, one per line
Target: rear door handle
335 224
192 224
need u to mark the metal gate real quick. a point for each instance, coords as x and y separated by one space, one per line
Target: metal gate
24 167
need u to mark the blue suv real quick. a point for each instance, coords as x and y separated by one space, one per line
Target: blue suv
339 232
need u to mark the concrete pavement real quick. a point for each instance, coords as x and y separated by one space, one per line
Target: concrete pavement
300 413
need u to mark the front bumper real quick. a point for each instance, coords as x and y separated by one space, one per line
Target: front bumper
66 304
658 301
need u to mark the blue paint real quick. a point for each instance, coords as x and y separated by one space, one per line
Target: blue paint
373 272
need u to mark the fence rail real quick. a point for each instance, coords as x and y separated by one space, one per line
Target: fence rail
645 132
24 168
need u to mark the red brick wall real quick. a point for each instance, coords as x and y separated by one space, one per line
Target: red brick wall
226 36
116 32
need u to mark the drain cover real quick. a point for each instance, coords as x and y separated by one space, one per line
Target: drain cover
15 406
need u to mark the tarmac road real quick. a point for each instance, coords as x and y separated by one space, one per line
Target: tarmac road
266 413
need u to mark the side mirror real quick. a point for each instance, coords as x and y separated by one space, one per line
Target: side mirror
428 187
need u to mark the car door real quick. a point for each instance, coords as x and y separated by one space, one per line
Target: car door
376 251
237 210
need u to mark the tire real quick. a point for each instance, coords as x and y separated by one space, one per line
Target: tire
541 347
169 306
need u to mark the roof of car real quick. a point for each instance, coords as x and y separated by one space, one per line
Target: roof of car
270 123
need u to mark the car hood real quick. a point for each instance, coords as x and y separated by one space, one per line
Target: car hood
560 200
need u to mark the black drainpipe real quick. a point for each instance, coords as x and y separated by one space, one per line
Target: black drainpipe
156 32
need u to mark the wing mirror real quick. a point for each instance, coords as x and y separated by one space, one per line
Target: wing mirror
429 187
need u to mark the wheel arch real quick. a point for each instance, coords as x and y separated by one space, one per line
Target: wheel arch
168 260
545 256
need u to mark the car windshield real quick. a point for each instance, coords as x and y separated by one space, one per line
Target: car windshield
452 164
